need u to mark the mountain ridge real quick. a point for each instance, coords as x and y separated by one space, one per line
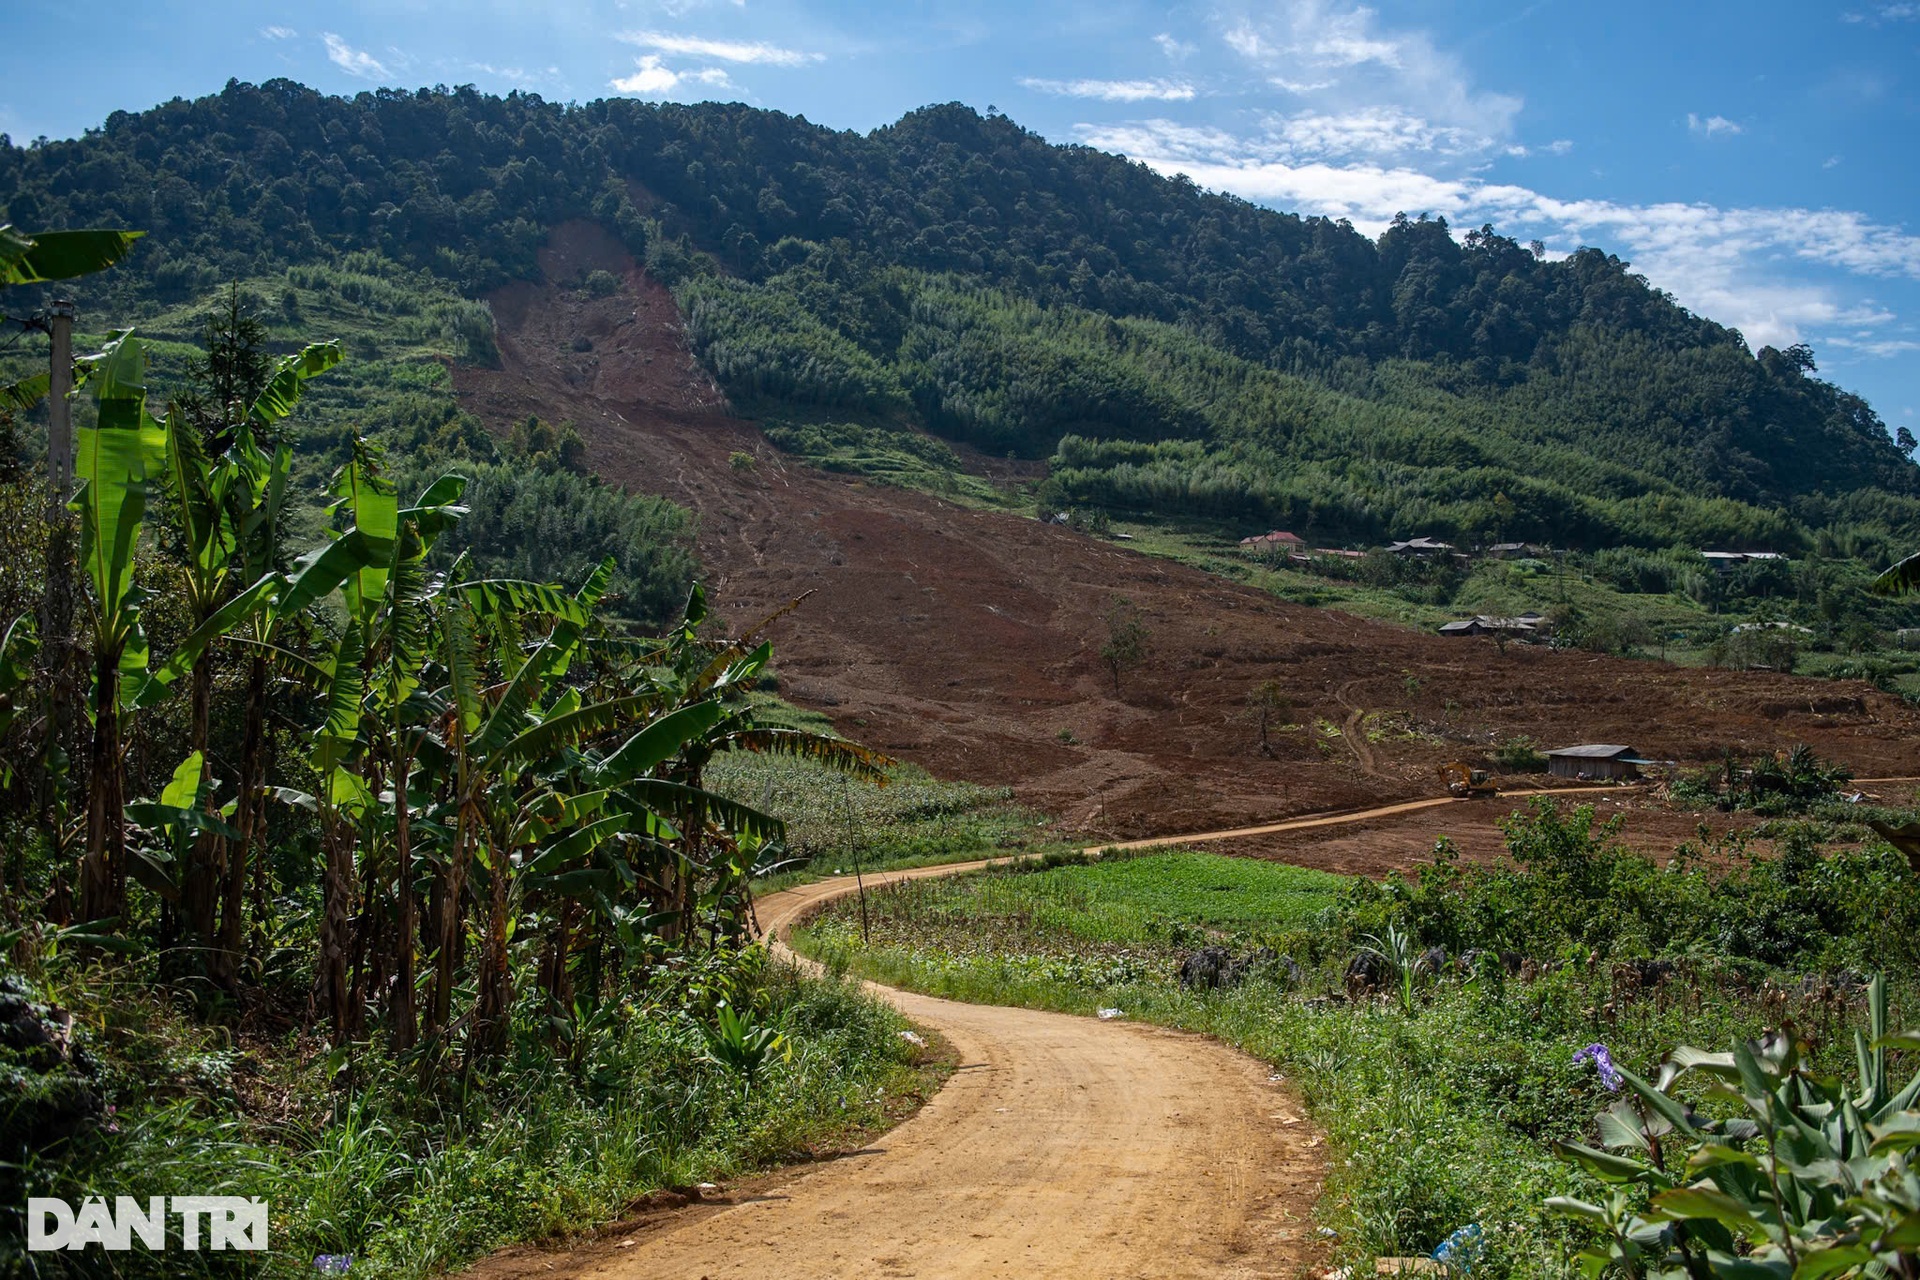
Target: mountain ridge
1438 384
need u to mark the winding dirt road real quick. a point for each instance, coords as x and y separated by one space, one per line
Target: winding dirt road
1061 1146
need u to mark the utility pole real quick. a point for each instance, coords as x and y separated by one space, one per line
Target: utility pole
60 410
56 607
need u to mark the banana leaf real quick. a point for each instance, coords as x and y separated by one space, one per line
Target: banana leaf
283 389
59 255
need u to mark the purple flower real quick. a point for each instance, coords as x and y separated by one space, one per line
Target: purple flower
1602 1060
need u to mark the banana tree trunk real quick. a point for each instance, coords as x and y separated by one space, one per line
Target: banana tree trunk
403 1016
103 871
446 957
556 981
56 654
336 930
201 879
250 818
492 1009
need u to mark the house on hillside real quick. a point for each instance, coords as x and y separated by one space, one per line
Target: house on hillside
1602 760
1420 547
1513 551
1728 561
1278 540
1527 626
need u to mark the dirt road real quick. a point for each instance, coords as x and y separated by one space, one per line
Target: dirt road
1061 1146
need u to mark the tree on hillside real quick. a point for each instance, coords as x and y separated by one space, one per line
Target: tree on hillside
1267 706
1127 640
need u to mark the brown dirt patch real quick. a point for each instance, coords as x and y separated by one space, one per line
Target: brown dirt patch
967 641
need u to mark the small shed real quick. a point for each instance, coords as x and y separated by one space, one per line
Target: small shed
1594 760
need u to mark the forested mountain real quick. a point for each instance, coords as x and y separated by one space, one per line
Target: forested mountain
1198 354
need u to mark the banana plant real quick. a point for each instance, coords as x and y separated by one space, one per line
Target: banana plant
42 257
183 813
372 728
118 460
214 509
1902 579
17 649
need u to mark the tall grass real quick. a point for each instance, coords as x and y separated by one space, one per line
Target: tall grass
414 1183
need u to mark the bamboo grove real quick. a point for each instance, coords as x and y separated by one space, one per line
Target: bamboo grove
487 791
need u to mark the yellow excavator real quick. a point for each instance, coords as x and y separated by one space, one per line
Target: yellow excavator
1467 783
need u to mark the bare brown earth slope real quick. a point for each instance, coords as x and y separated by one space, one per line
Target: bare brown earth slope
968 641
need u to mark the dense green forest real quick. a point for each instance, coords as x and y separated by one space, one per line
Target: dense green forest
1186 353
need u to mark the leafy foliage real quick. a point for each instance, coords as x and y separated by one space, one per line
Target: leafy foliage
1815 1179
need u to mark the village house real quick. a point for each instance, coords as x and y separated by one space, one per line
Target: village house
1525 626
1278 540
1596 760
1728 561
1419 547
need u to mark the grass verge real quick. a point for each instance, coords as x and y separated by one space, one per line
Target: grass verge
1439 1100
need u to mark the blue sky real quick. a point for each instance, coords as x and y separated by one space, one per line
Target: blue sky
1757 160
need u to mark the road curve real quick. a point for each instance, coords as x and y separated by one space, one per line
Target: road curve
1061 1146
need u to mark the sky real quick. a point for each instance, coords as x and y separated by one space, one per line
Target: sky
1756 160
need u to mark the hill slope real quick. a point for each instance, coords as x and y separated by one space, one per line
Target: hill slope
958 272
968 640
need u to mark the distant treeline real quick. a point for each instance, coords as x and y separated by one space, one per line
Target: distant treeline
959 272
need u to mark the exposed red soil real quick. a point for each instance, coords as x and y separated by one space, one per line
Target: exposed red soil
968 641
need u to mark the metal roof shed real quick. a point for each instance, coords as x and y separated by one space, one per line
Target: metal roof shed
1594 760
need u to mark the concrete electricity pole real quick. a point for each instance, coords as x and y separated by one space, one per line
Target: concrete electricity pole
60 410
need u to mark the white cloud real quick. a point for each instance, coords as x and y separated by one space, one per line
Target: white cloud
652 78
1725 263
1883 13
1712 126
1343 52
278 33
1880 347
1369 131
1115 90
720 50
355 62
1173 48
512 75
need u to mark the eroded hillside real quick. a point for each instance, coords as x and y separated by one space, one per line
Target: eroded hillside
968 641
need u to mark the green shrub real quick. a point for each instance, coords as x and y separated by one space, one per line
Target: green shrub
1520 755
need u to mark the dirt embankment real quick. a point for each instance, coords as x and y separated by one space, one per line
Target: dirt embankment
969 641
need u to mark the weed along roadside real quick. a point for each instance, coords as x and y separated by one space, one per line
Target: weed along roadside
1432 1024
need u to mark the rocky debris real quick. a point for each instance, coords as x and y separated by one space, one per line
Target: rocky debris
1212 968
1367 973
